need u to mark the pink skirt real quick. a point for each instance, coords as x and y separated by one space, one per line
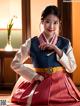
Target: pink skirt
56 89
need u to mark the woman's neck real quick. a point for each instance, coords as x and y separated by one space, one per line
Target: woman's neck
48 37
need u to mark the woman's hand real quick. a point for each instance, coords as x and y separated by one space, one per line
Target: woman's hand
38 78
44 46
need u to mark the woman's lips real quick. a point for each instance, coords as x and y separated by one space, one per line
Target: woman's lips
50 30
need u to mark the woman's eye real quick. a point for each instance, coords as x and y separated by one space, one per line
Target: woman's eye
47 22
55 22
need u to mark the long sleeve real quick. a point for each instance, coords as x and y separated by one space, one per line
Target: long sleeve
18 62
68 60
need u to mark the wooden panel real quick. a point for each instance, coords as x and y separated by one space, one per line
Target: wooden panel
76 39
66 13
9 74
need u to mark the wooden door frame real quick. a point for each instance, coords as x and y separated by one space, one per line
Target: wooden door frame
26 20
66 13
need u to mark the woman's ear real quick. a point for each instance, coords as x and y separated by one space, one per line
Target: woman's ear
41 21
41 26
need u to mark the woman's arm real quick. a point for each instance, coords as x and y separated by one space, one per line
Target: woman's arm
18 62
67 60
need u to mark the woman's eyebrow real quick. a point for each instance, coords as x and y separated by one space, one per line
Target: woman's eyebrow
51 20
48 19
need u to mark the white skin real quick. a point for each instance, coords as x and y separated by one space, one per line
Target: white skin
51 26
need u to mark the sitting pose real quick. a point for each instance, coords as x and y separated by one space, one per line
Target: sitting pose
48 82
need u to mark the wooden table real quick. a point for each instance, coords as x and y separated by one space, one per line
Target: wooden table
5 54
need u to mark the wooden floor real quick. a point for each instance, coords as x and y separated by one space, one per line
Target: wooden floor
5 95
7 98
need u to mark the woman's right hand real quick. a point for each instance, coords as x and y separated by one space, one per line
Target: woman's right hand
38 78
44 46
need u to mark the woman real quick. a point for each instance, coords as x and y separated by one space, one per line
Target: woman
48 84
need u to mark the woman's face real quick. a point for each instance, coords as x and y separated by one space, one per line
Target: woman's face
51 25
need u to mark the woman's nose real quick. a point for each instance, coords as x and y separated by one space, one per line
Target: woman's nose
52 26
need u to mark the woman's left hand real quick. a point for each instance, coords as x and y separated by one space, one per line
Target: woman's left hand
38 78
50 46
46 46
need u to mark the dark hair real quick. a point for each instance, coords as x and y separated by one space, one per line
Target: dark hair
50 10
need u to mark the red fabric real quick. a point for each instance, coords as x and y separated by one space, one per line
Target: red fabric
55 90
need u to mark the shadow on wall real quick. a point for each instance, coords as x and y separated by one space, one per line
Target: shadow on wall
16 38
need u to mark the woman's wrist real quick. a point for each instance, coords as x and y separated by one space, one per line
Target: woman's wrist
38 77
58 51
